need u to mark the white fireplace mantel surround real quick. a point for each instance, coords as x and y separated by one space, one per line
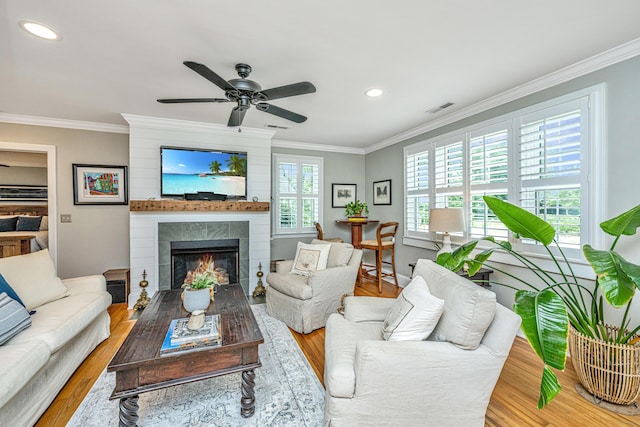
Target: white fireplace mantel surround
146 136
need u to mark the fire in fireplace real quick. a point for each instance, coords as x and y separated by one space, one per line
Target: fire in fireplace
220 257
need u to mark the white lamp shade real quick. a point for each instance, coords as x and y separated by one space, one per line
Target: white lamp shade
447 220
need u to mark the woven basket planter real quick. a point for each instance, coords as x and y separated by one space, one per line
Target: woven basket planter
608 371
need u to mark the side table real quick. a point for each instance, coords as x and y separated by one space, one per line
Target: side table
481 278
117 284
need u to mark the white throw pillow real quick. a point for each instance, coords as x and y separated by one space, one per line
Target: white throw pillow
340 253
310 258
414 315
34 278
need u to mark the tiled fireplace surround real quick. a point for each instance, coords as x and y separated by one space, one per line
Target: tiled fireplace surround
150 232
185 231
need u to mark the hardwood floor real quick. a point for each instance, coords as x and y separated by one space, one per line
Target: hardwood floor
513 403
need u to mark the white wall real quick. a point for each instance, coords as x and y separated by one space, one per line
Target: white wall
147 135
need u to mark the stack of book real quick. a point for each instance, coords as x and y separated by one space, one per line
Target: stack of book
180 338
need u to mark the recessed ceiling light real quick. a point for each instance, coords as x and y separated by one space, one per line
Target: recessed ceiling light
39 30
373 92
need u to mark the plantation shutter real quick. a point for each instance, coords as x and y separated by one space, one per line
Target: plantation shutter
488 175
449 173
297 194
417 188
550 168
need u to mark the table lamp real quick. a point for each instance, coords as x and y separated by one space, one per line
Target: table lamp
446 220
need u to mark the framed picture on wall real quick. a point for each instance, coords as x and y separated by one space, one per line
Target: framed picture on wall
342 194
99 185
382 192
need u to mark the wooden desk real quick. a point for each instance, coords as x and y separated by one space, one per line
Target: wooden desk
356 229
15 245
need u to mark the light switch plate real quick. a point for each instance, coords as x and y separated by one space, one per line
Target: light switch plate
65 217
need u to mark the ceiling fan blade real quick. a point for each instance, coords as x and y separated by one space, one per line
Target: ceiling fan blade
288 90
206 72
183 100
236 117
280 112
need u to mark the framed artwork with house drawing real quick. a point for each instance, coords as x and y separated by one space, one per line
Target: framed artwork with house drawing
342 194
382 192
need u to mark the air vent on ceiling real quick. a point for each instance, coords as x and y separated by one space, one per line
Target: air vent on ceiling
440 108
275 126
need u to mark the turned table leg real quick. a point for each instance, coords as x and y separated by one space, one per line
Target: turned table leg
248 400
129 411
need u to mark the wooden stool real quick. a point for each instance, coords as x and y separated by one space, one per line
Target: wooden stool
385 241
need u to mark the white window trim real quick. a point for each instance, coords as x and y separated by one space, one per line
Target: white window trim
277 158
594 190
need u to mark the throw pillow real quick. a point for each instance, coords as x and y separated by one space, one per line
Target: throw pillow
8 224
13 318
414 315
7 289
310 258
339 254
29 223
469 309
44 224
33 277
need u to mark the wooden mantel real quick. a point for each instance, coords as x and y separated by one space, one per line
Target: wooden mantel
196 206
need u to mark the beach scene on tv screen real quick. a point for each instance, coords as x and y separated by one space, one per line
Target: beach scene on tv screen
188 171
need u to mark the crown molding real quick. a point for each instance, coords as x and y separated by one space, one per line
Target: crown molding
62 123
597 62
316 147
175 124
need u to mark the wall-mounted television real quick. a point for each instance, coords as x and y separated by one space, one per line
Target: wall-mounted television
203 174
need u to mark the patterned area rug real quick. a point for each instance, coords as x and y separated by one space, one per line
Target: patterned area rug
288 392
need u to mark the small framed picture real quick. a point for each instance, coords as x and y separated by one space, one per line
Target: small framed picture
99 185
382 192
342 194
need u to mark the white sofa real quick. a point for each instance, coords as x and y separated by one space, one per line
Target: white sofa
73 320
446 380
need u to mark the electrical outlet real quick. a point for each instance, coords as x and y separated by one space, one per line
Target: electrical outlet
65 218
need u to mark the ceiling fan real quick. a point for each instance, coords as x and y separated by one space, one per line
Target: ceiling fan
245 92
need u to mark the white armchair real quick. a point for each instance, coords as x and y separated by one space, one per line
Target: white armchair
305 302
373 382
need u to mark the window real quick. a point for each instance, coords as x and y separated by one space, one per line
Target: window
541 158
297 194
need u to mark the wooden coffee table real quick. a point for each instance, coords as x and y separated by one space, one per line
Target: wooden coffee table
140 368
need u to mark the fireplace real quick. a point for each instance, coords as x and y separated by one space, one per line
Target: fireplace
220 257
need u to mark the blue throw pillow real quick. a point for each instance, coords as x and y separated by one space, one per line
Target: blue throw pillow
13 318
7 289
29 223
8 224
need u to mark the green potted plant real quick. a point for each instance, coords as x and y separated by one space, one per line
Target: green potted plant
356 208
557 304
198 290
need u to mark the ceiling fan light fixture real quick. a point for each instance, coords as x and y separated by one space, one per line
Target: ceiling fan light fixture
39 30
374 92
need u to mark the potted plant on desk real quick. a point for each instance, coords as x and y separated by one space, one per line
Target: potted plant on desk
198 290
355 209
558 311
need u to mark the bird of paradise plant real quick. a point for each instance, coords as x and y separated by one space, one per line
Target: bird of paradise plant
556 299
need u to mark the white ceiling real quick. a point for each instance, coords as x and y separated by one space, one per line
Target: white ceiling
119 56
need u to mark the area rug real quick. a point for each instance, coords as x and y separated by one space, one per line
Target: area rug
288 392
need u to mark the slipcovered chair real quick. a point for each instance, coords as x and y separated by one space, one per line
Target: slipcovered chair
444 377
305 301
